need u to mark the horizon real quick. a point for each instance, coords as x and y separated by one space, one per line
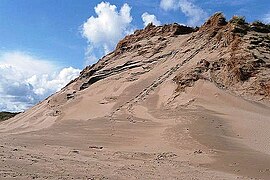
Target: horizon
46 44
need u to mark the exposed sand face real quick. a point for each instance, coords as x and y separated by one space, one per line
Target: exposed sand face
236 128
135 124
185 142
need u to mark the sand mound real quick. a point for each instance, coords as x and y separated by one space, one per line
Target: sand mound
170 102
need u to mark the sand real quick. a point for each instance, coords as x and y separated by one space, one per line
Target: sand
134 124
200 138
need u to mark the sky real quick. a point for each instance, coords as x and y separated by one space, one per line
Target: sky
46 43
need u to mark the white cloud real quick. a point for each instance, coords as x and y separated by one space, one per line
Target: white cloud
150 18
104 31
47 84
22 61
26 80
194 13
266 18
227 3
90 58
169 4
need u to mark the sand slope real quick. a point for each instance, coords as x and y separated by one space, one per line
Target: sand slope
153 109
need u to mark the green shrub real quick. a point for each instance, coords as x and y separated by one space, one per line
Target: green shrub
258 23
239 20
6 115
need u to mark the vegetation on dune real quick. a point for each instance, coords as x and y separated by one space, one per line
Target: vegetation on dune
6 115
260 27
240 20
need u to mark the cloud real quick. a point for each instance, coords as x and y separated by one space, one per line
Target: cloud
194 13
46 84
266 18
22 61
105 30
25 80
150 18
227 3
169 4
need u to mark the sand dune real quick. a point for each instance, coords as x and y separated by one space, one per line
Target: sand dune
169 103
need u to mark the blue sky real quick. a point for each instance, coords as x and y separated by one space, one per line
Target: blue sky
61 37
